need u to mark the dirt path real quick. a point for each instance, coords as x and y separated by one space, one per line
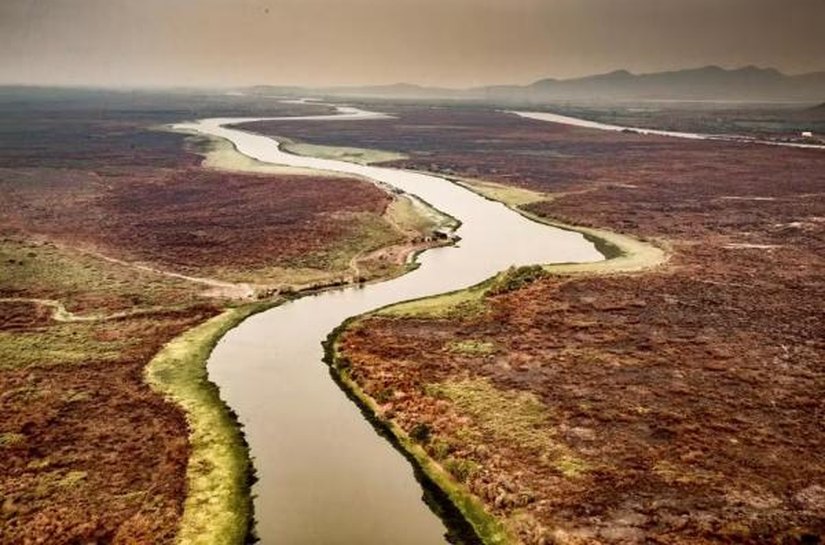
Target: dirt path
218 288
61 314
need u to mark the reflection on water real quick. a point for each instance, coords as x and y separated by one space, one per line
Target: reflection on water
326 476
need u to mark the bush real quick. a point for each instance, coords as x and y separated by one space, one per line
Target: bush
515 278
421 433
461 469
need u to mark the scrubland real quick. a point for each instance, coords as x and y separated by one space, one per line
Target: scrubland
678 404
121 244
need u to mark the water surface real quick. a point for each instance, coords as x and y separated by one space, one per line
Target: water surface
587 124
326 476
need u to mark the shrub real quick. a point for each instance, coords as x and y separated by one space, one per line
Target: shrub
515 278
421 432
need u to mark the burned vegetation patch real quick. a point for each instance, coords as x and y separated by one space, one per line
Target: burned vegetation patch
98 208
89 452
189 220
680 405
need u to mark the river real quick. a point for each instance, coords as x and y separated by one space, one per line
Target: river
587 124
325 475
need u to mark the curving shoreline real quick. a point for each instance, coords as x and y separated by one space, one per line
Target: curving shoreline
623 254
205 340
219 453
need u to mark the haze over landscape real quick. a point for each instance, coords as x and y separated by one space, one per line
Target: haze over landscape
453 43
412 272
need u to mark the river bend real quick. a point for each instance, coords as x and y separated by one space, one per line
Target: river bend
325 475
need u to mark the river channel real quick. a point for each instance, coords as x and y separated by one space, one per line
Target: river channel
325 475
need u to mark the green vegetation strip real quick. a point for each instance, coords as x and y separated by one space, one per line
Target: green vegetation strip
488 529
218 506
359 156
623 253
466 301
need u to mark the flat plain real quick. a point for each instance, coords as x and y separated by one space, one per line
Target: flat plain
680 404
116 237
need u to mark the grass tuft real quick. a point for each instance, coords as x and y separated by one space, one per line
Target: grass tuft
471 347
9 439
513 416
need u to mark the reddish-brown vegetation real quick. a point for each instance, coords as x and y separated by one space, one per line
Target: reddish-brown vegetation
189 219
22 315
88 453
683 405
494 146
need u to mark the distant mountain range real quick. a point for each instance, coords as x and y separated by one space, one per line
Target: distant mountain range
750 84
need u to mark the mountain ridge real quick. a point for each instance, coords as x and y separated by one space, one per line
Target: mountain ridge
748 83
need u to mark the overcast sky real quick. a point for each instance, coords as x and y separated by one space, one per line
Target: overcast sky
434 42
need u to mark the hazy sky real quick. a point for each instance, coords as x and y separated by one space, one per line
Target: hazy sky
437 42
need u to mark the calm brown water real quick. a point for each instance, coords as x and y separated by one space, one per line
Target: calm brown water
326 476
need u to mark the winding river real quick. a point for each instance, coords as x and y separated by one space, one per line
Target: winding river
325 475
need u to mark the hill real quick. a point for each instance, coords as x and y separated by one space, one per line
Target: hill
708 83
747 84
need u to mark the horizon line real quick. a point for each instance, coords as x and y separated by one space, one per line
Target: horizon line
181 87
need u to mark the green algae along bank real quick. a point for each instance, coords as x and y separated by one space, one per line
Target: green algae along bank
324 474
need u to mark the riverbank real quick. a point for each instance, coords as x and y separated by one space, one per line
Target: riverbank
612 408
623 254
87 304
477 523
218 506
